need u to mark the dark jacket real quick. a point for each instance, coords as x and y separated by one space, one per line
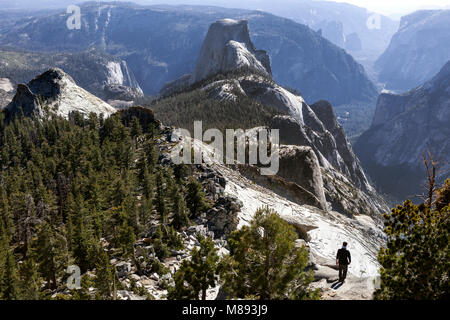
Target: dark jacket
343 256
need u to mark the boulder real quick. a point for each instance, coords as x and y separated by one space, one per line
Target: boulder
223 217
300 165
123 268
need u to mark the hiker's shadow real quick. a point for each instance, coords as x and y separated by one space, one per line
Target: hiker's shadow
336 285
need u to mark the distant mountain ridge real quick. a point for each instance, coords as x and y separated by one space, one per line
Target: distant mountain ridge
161 43
94 71
405 127
363 33
417 51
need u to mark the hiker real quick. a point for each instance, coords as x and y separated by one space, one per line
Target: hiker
343 259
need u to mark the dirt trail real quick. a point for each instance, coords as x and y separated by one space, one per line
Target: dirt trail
354 288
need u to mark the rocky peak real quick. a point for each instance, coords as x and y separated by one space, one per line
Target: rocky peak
227 47
50 83
55 92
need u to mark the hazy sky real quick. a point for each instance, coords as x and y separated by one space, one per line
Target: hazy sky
397 6
388 7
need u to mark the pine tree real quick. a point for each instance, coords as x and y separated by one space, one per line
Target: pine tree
264 262
152 155
120 192
30 281
68 212
131 213
135 127
443 196
194 277
159 245
80 236
6 219
27 220
127 239
180 212
415 263
173 239
196 199
50 249
161 206
9 280
181 171
145 178
104 276
145 211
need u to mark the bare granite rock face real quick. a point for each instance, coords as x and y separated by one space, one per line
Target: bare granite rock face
26 100
6 85
327 139
224 90
346 162
6 92
56 93
293 191
227 46
299 164
116 94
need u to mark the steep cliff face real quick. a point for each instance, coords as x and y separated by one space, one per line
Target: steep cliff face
55 93
417 51
162 43
405 127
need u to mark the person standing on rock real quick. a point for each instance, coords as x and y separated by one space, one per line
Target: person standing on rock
343 259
